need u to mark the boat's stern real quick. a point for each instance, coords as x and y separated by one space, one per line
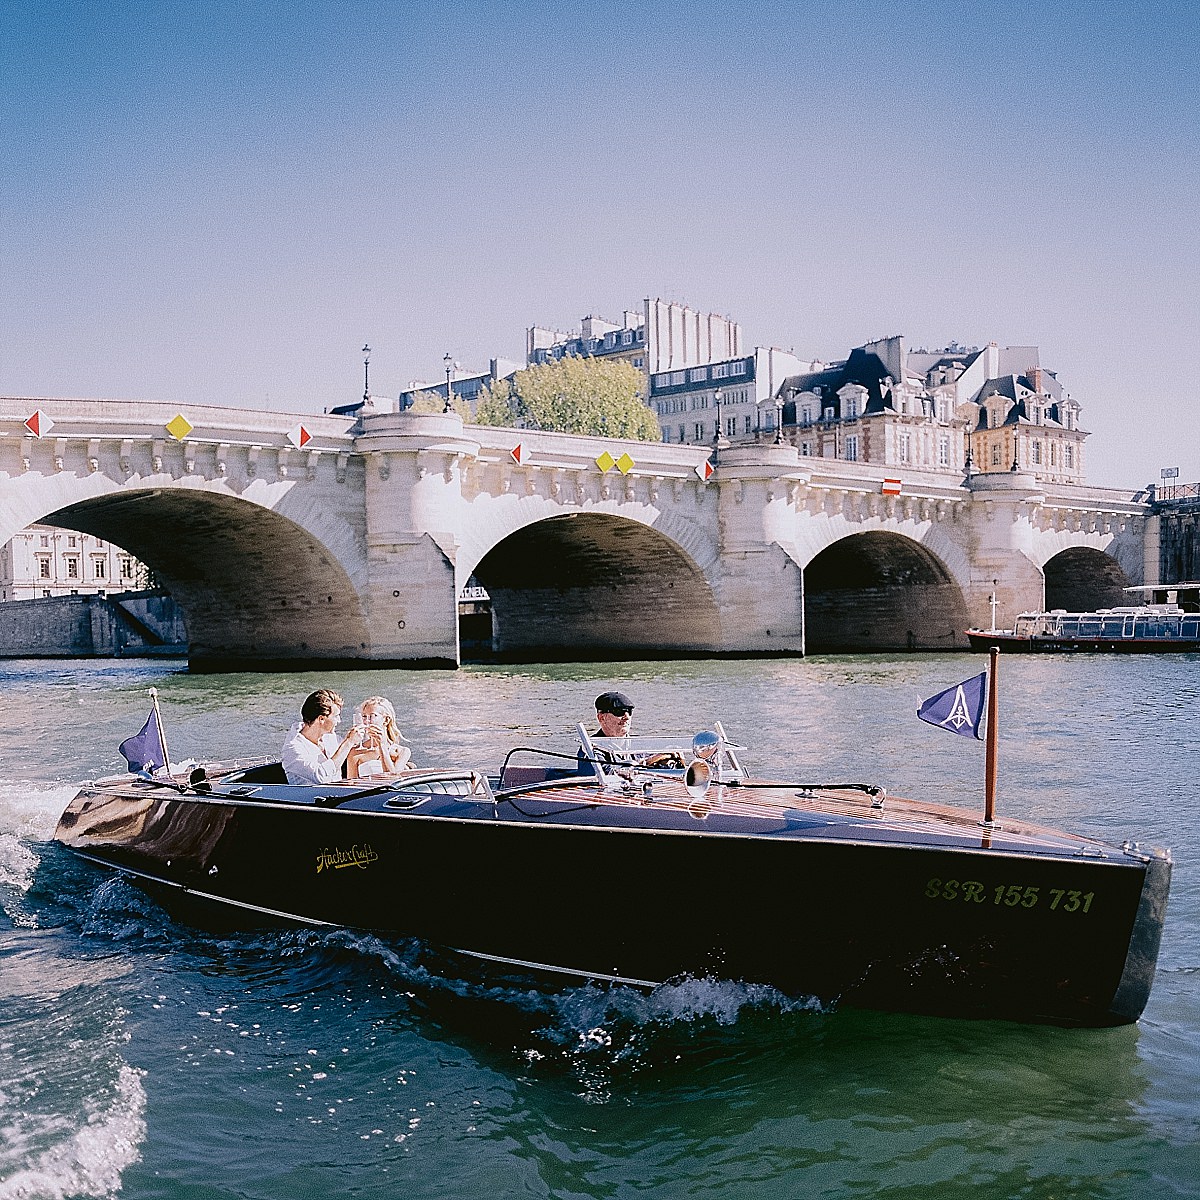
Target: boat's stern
1137 978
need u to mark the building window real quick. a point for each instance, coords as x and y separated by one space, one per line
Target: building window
698 374
43 568
666 434
699 431
731 426
737 368
45 592
639 362
749 426
72 568
1069 455
71 542
127 568
851 408
1037 452
943 450
905 447
720 370
806 449
995 454
852 448
98 568
45 539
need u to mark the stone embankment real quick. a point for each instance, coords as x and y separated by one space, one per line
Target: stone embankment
128 624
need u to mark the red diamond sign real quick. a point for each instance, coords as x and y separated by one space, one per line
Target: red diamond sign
705 471
517 453
299 436
39 424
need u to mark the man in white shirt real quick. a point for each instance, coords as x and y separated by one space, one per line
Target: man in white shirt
312 753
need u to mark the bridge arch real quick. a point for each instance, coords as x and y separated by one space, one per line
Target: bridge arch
1082 578
594 585
879 590
256 588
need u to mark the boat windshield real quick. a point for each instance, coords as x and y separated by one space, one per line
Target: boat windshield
669 753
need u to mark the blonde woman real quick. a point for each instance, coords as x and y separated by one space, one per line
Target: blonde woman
382 751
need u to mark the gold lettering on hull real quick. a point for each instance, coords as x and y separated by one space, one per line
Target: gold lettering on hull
334 860
1011 895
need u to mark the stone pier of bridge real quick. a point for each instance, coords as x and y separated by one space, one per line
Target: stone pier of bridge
290 540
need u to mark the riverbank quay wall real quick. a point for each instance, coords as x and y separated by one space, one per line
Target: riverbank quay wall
126 625
294 540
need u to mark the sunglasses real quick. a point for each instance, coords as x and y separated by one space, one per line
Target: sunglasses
618 711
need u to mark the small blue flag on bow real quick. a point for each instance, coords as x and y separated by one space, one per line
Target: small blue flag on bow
958 709
144 751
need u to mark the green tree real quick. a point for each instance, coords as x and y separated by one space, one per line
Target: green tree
431 402
573 395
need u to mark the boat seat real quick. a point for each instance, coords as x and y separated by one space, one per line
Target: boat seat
267 773
524 776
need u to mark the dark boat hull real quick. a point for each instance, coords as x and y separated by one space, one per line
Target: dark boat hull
965 930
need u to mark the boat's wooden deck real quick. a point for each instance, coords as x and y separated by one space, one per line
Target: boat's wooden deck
764 800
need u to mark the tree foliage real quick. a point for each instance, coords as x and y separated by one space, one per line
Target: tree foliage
573 395
431 402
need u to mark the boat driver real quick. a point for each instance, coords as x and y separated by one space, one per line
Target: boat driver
614 715
312 753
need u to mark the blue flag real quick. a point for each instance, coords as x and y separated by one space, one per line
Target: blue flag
143 751
958 709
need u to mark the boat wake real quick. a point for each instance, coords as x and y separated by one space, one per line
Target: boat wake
81 1153
596 1034
28 815
71 1107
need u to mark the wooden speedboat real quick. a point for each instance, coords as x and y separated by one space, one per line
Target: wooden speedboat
639 875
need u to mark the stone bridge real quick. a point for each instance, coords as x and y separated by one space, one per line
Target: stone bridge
291 540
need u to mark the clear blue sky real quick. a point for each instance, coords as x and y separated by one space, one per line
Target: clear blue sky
222 201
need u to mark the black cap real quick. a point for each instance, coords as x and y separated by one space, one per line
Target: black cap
607 702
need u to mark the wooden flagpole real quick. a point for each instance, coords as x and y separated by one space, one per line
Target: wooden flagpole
162 733
993 738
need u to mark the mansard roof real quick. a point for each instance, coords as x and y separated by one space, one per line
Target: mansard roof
863 368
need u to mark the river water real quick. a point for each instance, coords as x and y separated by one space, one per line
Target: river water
142 1058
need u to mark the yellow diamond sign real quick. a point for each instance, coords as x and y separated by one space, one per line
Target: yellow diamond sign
606 462
179 427
625 464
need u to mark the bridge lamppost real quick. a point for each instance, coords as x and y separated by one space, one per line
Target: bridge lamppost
366 372
717 429
779 420
448 406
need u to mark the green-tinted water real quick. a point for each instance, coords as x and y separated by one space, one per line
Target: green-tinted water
148 1059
